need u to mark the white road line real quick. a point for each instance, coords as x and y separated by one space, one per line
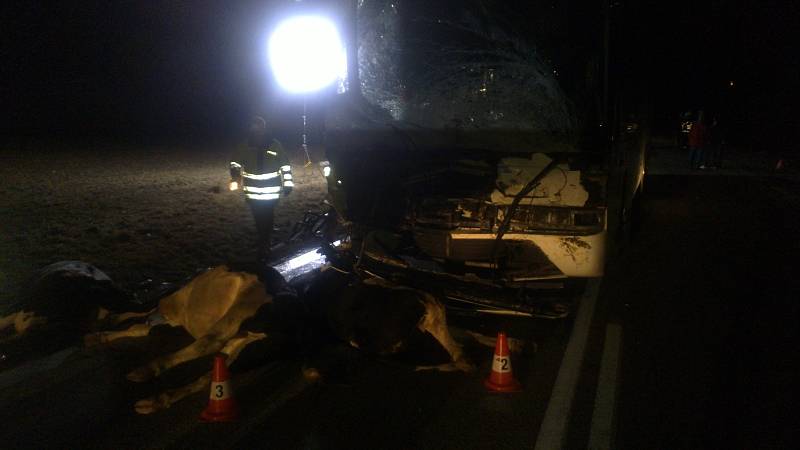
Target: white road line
556 417
601 434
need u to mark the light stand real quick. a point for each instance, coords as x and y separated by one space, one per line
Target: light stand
305 132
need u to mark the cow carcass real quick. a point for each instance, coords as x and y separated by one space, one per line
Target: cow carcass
225 311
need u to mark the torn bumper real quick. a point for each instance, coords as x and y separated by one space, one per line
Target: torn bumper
573 256
522 257
537 276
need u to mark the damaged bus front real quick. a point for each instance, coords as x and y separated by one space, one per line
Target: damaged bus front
492 227
466 162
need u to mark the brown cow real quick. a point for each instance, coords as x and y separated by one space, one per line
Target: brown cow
214 306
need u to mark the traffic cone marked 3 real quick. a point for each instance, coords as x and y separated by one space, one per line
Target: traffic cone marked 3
221 405
220 390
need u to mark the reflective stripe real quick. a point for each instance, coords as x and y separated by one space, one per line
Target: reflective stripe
288 184
287 176
262 184
236 165
270 152
262 196
286 168
262 190
263 176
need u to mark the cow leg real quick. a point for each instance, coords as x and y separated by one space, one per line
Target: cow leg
110 318
434 322
7 321
166 399
206 345
22 321
225 329
104 337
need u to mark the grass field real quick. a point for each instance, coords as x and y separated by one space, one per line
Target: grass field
137 213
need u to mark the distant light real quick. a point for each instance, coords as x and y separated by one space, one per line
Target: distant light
233 186
306 54
730 83
326 171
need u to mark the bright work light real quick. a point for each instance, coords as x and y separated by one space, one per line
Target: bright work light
306 54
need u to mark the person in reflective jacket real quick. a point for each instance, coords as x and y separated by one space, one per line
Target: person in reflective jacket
260 168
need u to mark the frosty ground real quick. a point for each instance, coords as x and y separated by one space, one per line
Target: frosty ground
139 213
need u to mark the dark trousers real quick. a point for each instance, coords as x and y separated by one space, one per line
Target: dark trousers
697 157
264 215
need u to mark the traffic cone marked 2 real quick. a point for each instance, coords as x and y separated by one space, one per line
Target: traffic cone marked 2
221 404
501 379
501 364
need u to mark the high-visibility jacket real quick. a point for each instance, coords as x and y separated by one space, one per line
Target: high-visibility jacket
264 171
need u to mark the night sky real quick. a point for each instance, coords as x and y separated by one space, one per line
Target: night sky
694 49
196 69
122 68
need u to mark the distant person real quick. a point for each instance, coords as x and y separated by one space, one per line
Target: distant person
698 141
261 169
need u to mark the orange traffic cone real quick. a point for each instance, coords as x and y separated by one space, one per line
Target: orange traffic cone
502 379
221 405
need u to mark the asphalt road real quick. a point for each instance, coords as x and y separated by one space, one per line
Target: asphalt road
705 294
708 297
80 399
